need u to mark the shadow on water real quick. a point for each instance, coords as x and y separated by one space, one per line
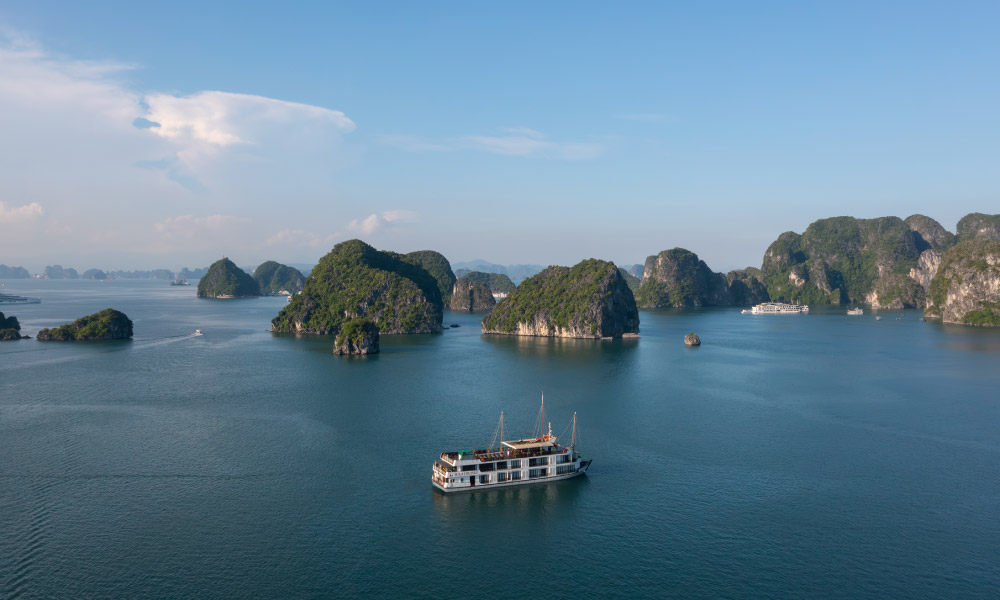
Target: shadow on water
553 346
532 500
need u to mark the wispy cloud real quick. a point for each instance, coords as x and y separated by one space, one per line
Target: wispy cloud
300 238
399 215
532 145
364 226
189 227
20 214
515 141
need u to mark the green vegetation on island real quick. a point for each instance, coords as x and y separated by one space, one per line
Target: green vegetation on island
498 283
225 280
356 280
471 295
10 329
677 278
13 272
274 277
588 300
438 266
108 324
842 259
631 280
357 336
978 225
58 272
94 274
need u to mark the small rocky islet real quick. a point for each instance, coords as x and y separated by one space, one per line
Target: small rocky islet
475 291
356 293
108 324
275 278
589 300
10 329
225 280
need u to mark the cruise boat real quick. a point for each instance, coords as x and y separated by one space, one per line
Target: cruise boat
11 299
855 311
516 462
777 308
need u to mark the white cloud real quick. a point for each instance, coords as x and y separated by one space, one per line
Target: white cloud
374 222
222 118
189 227
366 226
20 214
399 215
518 141
77 136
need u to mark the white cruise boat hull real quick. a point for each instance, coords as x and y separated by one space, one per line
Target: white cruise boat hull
490 486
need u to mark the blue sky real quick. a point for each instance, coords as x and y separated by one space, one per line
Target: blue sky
512 132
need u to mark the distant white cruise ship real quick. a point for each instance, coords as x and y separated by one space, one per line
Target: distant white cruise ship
777 308
515 462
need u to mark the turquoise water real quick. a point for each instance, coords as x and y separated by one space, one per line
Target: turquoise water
813 456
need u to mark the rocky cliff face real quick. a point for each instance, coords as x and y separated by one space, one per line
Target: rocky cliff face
357 337
979 226
966 287
589 300
470 295
496 282
927 266
746 287
929 234
356 280
679 278
843 259
676 278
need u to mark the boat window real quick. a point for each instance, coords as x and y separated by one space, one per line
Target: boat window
501 477
501 465
515 464
468 467
515 475
484 479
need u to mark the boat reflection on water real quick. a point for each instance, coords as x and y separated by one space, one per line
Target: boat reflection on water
538 499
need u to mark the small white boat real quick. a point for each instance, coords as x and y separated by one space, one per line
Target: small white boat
197 332
855 311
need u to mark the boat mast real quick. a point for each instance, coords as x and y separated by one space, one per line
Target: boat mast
572 440
498 433
540 422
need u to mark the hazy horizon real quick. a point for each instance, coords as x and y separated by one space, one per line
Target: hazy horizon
515 133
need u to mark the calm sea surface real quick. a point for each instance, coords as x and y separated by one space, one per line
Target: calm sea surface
818 456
